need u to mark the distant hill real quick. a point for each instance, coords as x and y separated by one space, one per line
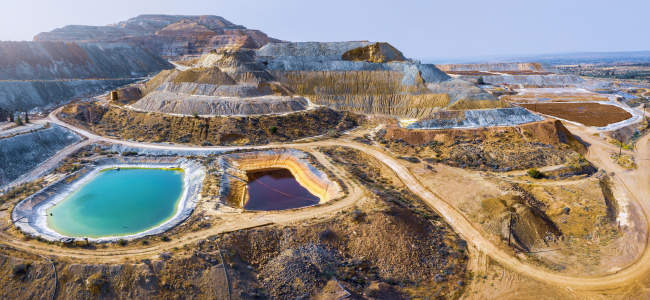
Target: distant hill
167 35
557 58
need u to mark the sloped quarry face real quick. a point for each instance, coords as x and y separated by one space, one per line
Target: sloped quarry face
241 168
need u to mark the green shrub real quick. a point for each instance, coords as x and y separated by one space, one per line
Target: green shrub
534 173
121 242
195 114
97 284
19 121
274 129
164 238
480 80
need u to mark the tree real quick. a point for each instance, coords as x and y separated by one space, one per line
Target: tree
480 80
26 118
19 121
534 173
11 116
274 129
621 140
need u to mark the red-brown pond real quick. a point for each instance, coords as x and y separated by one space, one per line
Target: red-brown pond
276 189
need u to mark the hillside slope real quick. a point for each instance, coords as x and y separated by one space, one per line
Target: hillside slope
58 60
38 74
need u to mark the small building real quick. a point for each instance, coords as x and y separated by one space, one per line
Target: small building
114 96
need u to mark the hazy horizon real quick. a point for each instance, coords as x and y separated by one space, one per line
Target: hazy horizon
420 29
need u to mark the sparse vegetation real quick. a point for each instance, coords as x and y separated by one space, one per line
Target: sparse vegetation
535 173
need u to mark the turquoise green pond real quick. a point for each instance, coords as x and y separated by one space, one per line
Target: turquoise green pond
118 203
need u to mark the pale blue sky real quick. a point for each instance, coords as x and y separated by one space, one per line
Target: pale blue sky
421 29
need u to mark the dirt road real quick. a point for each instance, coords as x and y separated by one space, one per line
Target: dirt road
635 183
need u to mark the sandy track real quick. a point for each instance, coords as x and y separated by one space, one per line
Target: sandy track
635 183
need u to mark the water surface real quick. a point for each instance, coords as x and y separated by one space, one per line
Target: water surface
118 203
276 189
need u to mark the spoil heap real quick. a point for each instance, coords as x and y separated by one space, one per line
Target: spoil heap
228 82
171 35
362 77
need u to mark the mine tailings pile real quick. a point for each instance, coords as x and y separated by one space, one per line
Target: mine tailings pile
38 74
271 186
361 77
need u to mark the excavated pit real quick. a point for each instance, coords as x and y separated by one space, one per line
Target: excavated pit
276 189
275 179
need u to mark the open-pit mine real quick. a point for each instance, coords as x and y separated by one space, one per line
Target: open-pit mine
187 157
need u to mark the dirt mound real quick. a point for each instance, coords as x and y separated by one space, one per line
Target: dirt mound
527 226
211 75
376 53
298 272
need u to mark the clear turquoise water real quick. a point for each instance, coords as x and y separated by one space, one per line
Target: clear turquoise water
118 203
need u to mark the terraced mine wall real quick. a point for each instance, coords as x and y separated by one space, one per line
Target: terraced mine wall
22 95
477 118
32 209
21 153
38 74
58 61
399 87
233 183
368 92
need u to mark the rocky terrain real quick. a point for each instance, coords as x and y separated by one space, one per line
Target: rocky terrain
167 35
525 146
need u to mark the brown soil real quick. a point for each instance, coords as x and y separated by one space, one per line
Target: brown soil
589 114
152 127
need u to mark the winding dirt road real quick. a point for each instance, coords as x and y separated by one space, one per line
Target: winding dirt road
636 183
